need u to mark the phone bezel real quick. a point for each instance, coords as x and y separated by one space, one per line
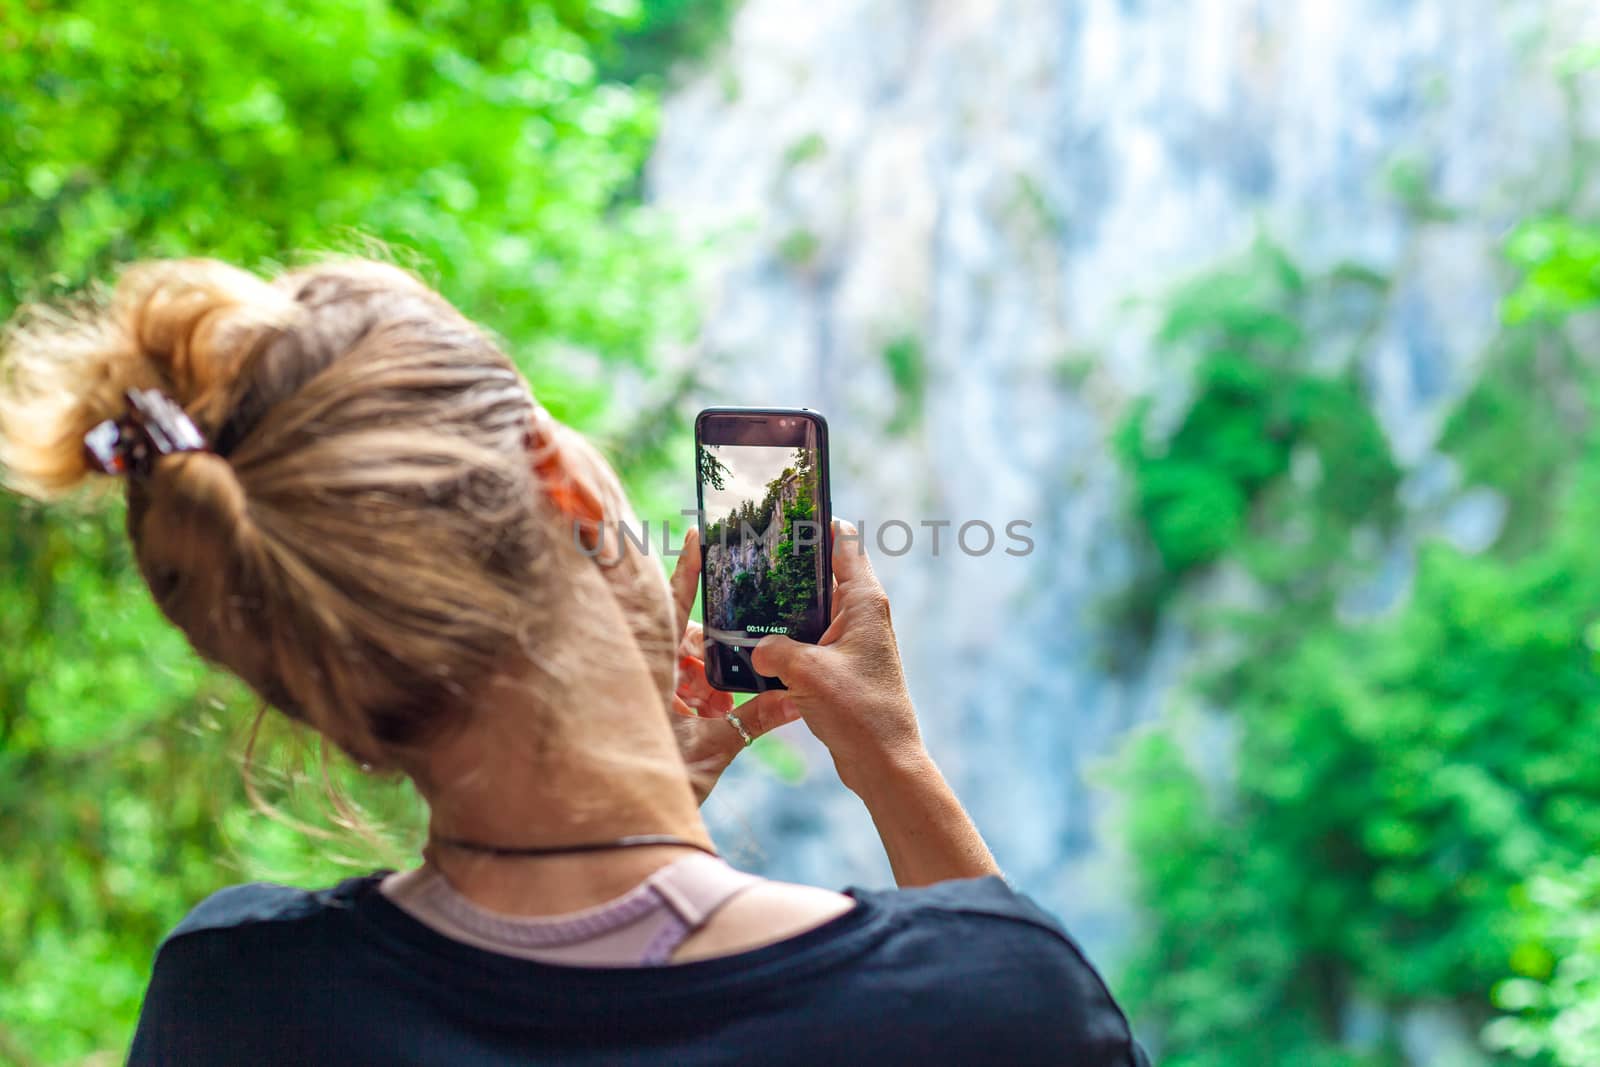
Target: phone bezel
713 665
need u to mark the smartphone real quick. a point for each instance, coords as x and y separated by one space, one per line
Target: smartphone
765 528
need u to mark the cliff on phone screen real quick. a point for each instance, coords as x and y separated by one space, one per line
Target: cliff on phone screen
762 561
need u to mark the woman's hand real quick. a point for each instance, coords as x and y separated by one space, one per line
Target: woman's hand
849 686
705 737
852 693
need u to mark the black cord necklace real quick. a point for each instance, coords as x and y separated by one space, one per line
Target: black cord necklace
531 851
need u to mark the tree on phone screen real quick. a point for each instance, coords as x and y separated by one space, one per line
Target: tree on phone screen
713 471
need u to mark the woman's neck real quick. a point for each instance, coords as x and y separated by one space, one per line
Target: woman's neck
513 778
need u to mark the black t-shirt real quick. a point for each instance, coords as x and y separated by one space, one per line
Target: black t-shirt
960 973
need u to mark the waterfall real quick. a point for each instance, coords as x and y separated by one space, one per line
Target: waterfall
941 222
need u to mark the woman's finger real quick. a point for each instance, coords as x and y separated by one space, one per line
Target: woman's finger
850 562
694 641
685 579
767 711
696 691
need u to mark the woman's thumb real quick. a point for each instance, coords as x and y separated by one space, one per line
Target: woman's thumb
777 656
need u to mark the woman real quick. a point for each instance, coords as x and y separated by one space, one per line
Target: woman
342 491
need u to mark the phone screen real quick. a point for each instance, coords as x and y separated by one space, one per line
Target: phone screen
764 518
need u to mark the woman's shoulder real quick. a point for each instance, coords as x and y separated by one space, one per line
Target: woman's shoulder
764 913
988 956
254 903
967 924
976 899
225 976
772 911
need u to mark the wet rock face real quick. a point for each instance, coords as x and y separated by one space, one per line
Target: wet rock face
935 222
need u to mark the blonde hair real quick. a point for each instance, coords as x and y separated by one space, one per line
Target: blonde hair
366 543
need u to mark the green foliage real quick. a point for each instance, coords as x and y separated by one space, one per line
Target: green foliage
1031 209
1411 184
1552 999
780 758
1394 782
1073 368
811 146
1224 984
662 33
799 248
908 373
1516 430
1560 262
713 471
1553 1002
1264 442
265 129
792 579
1580 60
479 144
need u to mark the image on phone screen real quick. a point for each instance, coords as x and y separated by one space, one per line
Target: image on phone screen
764 570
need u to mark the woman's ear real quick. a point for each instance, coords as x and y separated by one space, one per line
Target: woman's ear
564 478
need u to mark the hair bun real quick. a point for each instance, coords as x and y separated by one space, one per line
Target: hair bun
192 516
367 547
182 326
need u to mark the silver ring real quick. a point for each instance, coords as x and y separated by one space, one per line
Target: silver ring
733 721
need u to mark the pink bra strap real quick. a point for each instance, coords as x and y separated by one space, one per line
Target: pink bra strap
644 926
694 888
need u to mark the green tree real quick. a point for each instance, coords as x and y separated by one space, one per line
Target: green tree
713 471
477 144
1394 780
1543 391
1551 1003
793 576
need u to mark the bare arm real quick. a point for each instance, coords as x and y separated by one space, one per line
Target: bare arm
928 835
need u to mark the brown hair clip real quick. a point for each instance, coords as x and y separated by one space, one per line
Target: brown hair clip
154 426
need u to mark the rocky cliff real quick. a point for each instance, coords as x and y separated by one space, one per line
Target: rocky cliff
940 223
726 561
